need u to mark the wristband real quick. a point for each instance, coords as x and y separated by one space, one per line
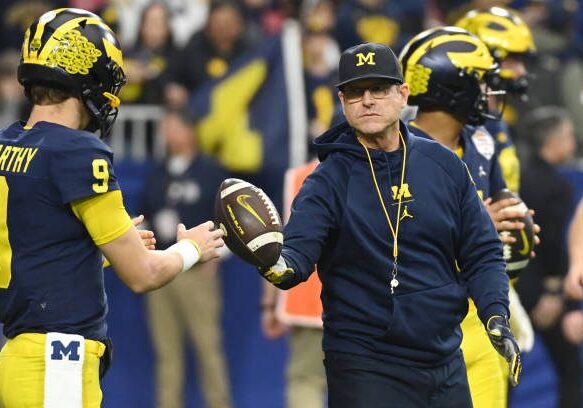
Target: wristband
188 250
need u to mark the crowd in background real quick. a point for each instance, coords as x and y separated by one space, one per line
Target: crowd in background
172 48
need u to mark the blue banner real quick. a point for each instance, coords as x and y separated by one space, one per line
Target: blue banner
243 118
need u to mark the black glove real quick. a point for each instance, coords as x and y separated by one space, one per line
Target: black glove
505 344
279 274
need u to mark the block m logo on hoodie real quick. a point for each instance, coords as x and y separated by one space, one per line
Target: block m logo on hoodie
401 192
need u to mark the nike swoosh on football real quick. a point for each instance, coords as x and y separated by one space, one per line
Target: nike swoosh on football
242 201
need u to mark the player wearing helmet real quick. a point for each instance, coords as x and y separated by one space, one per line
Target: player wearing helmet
511 44
61 209
449 71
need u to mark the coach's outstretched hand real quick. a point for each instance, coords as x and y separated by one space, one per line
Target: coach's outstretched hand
505 344
279 274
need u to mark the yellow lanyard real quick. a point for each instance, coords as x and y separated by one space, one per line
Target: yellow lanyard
394 231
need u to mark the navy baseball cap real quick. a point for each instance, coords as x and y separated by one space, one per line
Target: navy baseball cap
368 60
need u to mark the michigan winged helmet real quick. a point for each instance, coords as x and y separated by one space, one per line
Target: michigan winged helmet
506 35
446 68
74 49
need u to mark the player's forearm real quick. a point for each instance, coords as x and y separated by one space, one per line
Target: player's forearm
143 270
161 268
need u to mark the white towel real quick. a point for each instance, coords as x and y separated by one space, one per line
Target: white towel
64 356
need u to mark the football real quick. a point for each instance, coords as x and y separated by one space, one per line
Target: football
250 221
517 255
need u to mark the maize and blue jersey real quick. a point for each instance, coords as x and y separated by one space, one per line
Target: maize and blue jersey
51 276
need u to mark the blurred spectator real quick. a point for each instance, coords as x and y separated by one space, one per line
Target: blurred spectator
320 56
209 52
318 16
558 66
183 188
13 104
147 63
320 52
187 16
263 16
17 15
383 21
550 131
574 280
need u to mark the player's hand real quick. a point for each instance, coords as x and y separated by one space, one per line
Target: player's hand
277 274
500 215
574 282
505 344
148 238
205 236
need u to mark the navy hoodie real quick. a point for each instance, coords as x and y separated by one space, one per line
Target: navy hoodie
337 222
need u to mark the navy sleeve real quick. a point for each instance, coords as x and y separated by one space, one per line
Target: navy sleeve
83 171
480 256
314 214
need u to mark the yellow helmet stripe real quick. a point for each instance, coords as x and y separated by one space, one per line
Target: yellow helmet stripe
40 28
479 59
60 31
25 54
113 52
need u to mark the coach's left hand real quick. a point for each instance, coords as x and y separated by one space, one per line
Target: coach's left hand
505 344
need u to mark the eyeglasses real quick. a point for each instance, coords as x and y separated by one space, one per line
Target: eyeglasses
355 94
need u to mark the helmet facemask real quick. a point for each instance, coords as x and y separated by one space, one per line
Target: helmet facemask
102 101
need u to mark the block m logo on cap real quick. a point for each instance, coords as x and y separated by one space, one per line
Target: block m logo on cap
365 59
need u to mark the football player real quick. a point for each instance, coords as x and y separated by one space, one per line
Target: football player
448 70
510 42
61 208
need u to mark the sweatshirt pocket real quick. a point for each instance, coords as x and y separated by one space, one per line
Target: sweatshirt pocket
427 320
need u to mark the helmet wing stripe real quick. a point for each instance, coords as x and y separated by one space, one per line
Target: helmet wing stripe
113 52
40 28
60 31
